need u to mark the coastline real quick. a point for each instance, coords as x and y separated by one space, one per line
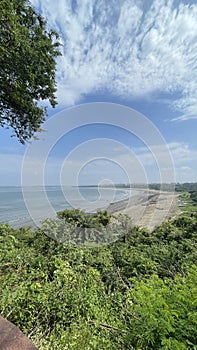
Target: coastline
148 208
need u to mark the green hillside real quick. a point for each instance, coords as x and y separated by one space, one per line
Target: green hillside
135 293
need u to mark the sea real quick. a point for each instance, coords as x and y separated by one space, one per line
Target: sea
29 206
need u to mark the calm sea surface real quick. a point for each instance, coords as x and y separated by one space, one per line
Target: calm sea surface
14 201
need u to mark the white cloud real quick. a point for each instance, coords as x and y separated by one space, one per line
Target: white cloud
107 158
186 174
180 152
100 160
184 160
115 45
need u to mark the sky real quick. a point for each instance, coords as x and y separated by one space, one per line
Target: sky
141 55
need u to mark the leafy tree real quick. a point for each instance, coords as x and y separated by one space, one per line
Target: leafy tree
27 67
186 187
193 196
163 313
79 218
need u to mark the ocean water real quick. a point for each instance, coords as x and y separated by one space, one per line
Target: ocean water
30 205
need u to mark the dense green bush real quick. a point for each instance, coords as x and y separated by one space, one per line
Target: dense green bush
186 187
79 218
136 293
193 196
164 313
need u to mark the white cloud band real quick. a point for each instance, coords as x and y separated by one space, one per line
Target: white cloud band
130 48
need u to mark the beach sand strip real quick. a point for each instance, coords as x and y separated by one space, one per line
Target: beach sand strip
148 208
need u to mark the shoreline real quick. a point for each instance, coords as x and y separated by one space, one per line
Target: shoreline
149 209
146 207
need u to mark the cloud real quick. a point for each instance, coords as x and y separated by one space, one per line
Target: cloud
184 160
180 152
98 160
130 51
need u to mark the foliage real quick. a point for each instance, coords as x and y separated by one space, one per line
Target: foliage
161 186
164 313
27 60
186 187
179 187
135 293
188 202
83 229
193 196
78 218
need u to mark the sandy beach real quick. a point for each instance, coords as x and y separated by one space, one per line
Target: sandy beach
148 208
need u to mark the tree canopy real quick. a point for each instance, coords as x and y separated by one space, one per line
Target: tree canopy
136 293
27 67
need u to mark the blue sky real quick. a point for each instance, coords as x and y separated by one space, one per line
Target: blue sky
141 54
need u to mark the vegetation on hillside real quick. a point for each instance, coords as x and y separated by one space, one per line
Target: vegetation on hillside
135 293
186 187
79 218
